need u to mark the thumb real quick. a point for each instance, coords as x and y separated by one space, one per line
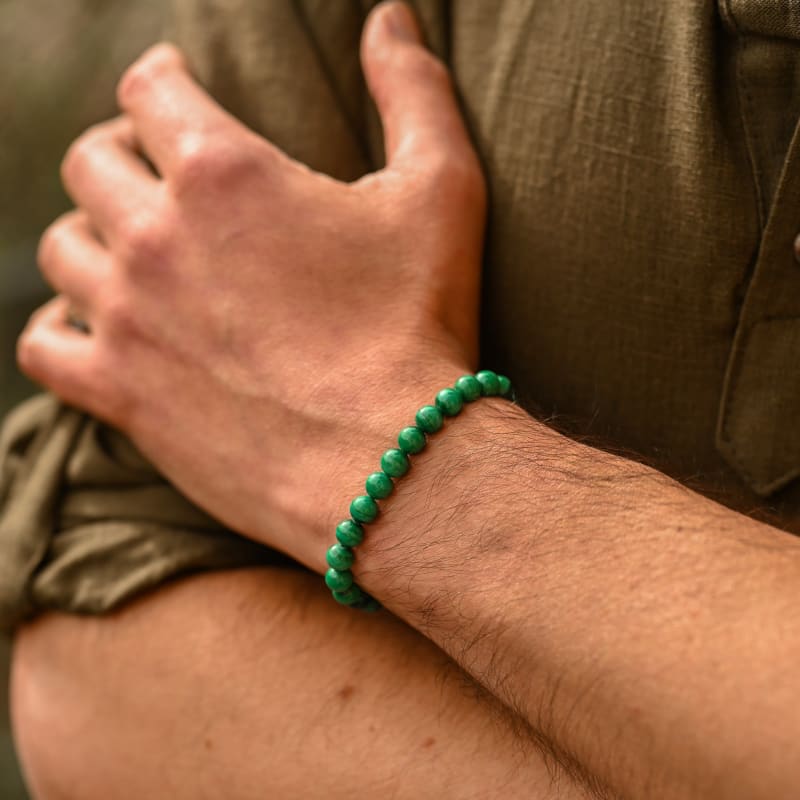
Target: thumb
412 90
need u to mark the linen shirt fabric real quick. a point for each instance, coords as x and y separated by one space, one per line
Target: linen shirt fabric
640 283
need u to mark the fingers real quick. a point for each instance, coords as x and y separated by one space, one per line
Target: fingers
172 115
57 356
103 174
72 259
413 91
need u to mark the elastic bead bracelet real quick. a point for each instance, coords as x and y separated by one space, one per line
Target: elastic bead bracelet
394 464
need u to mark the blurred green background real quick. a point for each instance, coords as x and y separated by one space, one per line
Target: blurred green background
59 63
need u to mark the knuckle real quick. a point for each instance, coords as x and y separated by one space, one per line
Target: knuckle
140 77
82 150
194 158
118 316
50 244
74 160
434 70
29 349
25 352
95 133
459 175
163 53
214 161
135 81
143 238
422 66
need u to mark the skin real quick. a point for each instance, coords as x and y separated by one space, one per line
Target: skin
638 632
271 691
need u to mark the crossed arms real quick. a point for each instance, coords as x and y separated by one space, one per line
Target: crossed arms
636 634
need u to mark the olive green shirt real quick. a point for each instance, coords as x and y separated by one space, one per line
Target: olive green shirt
640 283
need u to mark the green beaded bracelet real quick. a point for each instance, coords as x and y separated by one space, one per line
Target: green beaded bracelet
395 463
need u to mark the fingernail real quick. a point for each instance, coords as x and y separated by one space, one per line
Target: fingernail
400 22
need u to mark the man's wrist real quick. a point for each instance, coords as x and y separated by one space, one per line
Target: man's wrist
374 406
442 518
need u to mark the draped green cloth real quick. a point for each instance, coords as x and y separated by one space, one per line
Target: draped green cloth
640 281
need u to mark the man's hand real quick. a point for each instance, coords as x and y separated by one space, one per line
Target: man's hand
258 329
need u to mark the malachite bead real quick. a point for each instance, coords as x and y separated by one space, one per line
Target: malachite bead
339 579
363 508
349 597
429 419
368 604
411 440
470 387
349 533
490 385
449 402
379 485
505 386
395 463
339 557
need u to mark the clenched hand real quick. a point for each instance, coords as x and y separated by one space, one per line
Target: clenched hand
260 330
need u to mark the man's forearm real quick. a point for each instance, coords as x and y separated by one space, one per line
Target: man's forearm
251 684
645 631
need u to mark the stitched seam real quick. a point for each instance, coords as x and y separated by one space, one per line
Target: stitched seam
733 384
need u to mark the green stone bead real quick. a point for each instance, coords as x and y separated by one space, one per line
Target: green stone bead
395 463
363 509
429 419
339 580
470 387
349 597
449 402
379 485
505 386
490 386
368 604
339 557
411 440
349 533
